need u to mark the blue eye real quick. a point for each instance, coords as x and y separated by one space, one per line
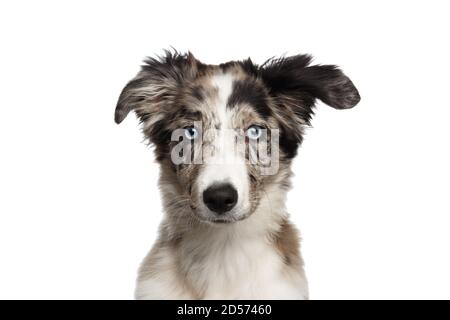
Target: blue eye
191 133
254 132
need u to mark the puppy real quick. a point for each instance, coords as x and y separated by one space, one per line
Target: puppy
226 232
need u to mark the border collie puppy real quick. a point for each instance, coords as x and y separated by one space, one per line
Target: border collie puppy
226 232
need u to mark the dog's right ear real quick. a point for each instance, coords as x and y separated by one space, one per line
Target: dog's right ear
156 85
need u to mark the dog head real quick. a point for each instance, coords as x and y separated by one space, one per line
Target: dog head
211 124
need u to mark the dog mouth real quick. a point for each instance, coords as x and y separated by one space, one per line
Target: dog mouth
222 221
210 218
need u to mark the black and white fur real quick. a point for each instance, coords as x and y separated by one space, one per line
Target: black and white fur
252 250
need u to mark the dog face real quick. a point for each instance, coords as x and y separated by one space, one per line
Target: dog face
210 124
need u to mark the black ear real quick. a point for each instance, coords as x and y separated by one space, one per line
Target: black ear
156 85
292 78
295 85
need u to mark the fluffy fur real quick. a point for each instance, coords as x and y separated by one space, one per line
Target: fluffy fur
252 252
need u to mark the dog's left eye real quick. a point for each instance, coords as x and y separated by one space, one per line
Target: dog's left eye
254 132
191 133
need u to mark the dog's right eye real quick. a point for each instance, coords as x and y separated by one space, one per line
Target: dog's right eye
191 133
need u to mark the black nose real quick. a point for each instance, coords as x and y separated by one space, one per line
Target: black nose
220 198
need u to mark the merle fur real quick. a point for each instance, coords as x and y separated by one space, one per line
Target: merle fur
291 83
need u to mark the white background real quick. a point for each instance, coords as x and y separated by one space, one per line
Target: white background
79 204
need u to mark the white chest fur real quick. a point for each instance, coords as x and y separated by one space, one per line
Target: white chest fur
239 266
234 268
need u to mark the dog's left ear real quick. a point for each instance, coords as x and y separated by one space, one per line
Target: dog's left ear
296 84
